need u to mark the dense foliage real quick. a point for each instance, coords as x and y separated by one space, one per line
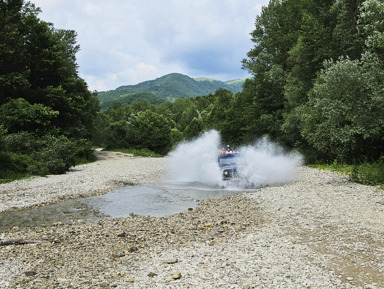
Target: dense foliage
46 109
329 101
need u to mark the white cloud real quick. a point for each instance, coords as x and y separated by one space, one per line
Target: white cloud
126 42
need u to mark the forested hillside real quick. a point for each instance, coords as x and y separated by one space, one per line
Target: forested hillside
166 88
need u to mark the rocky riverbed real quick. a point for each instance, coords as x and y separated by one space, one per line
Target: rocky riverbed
320 231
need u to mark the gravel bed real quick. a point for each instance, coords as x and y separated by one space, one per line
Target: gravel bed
111 171
320 231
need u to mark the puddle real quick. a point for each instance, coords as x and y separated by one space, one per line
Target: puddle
154 200
67 211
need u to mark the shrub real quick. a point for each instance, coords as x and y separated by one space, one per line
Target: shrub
56 156
369 173
21 142
83 151
14 166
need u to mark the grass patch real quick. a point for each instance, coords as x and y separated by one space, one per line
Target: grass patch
371 174
334 167
138 152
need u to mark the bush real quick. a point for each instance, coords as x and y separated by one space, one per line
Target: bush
369 173
56 156
26 155
83 151
116 136
14 166
21 142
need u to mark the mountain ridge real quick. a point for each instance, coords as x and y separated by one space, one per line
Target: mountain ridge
167 88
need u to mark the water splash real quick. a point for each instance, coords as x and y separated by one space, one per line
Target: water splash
266 163
260 164
196 161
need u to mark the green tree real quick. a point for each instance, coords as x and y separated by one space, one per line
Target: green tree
346 40
371 23
153 131
194 129
140 105
42 98
188 115
116 135
176 137
13 53
19 115
344 115
38 63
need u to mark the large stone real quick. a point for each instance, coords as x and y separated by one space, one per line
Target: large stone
171 261
176 276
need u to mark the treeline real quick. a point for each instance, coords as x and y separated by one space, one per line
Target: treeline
46 109
317 86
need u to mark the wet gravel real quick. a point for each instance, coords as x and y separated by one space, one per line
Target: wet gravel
320 231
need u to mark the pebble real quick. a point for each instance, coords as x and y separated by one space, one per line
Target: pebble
305 234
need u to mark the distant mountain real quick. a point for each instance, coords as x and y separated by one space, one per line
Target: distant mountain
167 88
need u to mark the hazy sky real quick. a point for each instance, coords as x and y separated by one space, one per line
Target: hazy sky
129 41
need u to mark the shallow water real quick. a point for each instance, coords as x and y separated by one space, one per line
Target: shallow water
154 200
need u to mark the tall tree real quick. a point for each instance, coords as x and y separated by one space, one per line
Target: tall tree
42 98
344 115
38 63
13 69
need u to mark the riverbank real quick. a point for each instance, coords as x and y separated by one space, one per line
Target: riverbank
320 231
112 170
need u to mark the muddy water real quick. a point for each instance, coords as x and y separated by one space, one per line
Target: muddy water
155 200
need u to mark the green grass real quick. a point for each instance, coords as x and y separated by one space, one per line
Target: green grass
138 152
334 167
371 174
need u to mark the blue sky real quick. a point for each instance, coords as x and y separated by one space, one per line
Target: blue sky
129 41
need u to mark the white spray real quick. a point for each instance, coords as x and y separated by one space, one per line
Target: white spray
196 161
263 163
